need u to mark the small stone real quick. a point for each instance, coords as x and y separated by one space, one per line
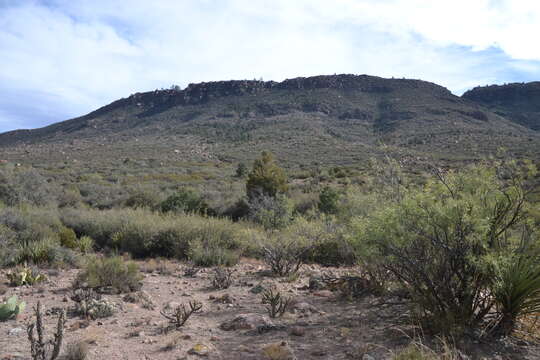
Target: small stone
199 349
304 308
367 357
323 293
15 331
246 322
298 331
257 289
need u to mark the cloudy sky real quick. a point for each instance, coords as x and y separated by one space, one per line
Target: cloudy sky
63 58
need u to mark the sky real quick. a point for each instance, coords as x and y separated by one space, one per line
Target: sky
61 59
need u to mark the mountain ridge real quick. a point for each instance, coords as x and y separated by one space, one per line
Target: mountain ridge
331 119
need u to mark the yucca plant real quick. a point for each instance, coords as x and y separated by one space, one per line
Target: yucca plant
517 291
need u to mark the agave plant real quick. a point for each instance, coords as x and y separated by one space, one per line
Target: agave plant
517 293
11 308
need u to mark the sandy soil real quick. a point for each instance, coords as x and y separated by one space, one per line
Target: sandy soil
323 325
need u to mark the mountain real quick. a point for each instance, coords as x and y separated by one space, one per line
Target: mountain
519 102
321 120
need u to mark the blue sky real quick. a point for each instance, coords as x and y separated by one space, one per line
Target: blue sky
64 58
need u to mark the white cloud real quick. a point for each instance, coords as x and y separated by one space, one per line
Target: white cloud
85 54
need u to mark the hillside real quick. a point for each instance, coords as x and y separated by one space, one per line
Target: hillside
307 122
519 102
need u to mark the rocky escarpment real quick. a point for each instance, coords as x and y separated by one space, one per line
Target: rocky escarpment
201 93
519 102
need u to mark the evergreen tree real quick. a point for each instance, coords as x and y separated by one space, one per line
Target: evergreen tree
266 177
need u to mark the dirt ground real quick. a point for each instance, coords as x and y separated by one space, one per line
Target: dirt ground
321 325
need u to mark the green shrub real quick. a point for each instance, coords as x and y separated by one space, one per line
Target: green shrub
144 233
215 244
445 241
85 244
185 201
329 200
329 245
142 199
67 237
99 225
113 273
270 212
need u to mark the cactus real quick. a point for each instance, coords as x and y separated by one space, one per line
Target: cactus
25 275
39 348
277 304
11 308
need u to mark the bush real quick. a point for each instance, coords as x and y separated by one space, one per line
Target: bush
85 244
185 201
25 186
329 242
113 273
142 199
283 254
329 200
444 242
145 233
67 238
270 212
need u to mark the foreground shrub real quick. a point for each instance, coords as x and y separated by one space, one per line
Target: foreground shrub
109 274
444 243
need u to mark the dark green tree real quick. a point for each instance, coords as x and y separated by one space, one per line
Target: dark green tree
241 170
329 200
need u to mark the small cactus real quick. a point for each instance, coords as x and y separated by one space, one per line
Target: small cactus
39 348
11 308
181 314
276 303
25 275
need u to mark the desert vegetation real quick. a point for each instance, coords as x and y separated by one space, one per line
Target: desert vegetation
455 251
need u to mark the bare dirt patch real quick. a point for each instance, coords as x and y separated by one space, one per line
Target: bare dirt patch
233 323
